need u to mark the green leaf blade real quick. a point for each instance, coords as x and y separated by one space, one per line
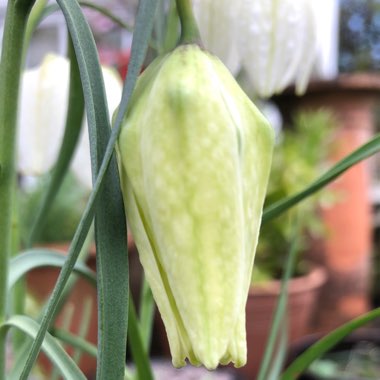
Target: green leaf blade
363 152
50 346
326 343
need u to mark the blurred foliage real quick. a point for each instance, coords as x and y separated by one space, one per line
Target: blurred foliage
64 215
298 159
359 35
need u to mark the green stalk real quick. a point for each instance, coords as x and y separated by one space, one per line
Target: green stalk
19 290
34 19
10 70
189 28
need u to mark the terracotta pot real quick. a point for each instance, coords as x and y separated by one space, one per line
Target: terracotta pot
262 300
348 244
40 283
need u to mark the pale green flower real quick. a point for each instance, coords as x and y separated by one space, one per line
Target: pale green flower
194 155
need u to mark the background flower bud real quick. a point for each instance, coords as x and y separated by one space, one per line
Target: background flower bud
42 115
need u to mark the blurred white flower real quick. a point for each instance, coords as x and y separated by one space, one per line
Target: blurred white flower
274 41
218 23
326 65
42 115
278 43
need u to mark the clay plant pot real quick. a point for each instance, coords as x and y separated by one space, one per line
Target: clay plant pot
40 283
262 300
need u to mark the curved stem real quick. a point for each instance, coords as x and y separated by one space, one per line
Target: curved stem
10 72
189 28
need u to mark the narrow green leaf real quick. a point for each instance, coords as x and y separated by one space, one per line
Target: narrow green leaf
50 346
139 353
51 8
280 311
81 344
112 269
363 152
10 72
75 341
326 343
34 19
96 116
279 359
74 119
107 13
146 314
38 258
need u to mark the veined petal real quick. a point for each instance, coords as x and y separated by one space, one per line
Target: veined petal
218 22
278 43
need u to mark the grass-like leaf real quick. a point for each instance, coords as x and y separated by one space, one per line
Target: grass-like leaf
326 343
97 117
21 264
58 356
74 119
279 313
139 351
363 152
146 313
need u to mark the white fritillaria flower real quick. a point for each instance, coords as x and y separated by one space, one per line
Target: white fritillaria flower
42 115
277 43
218 26
195 155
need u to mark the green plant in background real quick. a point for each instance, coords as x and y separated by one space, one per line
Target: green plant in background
64 214
300 156
117 315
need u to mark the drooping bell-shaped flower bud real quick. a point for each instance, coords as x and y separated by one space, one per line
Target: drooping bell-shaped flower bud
195 155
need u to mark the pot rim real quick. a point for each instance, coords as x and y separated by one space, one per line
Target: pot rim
312 280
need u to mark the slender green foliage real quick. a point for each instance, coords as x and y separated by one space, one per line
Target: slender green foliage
360 154
10 68
280 311
70 138
326 343
139 352
89 69
26 261
53 350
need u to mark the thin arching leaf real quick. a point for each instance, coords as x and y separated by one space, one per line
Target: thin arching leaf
57 355
280 311
360 154
97 118
74 119
326 343
21 264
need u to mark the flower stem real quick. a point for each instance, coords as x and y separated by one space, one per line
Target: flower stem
10 69
189 28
